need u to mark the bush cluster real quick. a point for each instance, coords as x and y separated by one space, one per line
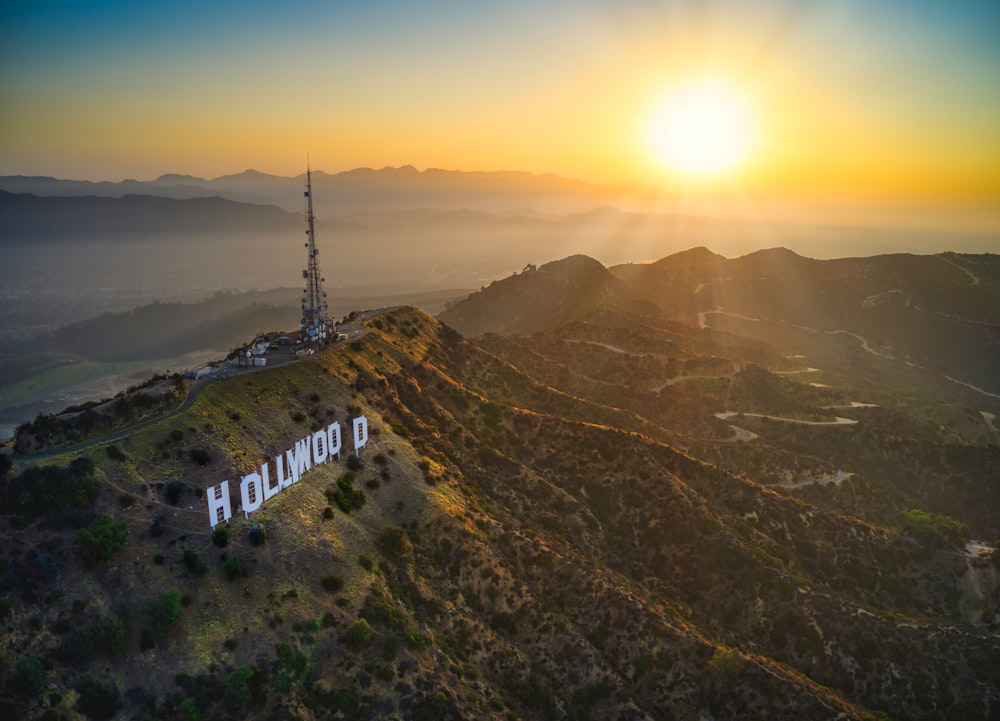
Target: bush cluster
101 541
345 495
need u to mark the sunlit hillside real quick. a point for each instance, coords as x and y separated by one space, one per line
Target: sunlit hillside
623 515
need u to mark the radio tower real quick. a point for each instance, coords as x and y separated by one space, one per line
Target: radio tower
314 320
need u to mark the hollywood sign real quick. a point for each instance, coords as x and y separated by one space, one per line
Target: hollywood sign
256 488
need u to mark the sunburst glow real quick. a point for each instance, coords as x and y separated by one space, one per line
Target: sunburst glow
701 129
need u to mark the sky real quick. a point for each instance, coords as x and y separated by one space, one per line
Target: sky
891 99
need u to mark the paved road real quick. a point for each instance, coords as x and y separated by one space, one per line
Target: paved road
351 330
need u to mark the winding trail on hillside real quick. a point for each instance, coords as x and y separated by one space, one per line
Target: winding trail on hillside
680 379
352 331
973 277
838 477
977 389
837 421
703 323
742 435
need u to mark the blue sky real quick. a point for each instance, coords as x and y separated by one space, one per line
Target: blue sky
106 90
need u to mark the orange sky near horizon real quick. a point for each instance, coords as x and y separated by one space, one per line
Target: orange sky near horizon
849 102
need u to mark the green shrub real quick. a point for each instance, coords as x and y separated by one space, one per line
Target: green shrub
201 456
725 666
393 541
221 535
345 495
107 635
193 563
115 453
40 489
164 611
332 583
188 709
174 491
101 541
238 688
98 699
235 568
29 676
415 640
358 633
257 534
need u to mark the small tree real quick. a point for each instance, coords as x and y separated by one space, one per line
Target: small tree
257 534
98 699
358 633
221 535
394 542
725 666
164 611
238 688
921 526
29 676
332 583
235 568
101 541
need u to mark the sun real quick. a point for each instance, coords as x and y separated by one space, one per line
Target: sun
702 129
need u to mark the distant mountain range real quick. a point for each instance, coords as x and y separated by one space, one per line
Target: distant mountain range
353 190
613 222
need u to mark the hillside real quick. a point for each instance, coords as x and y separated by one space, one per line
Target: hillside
541 299
510 543
938 313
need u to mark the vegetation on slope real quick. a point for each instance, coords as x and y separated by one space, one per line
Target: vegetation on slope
521 553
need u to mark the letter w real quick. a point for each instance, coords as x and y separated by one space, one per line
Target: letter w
299 459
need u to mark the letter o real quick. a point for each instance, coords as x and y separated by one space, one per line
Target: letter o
251 492
319 443
333 439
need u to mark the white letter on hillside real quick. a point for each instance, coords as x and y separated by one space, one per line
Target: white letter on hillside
219 509
360 433
250 493
282 481
333 439
299 460
319 440
270 492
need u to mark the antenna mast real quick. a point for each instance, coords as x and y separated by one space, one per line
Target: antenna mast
314 320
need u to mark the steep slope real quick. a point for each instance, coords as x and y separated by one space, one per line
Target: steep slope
519 552
916 429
